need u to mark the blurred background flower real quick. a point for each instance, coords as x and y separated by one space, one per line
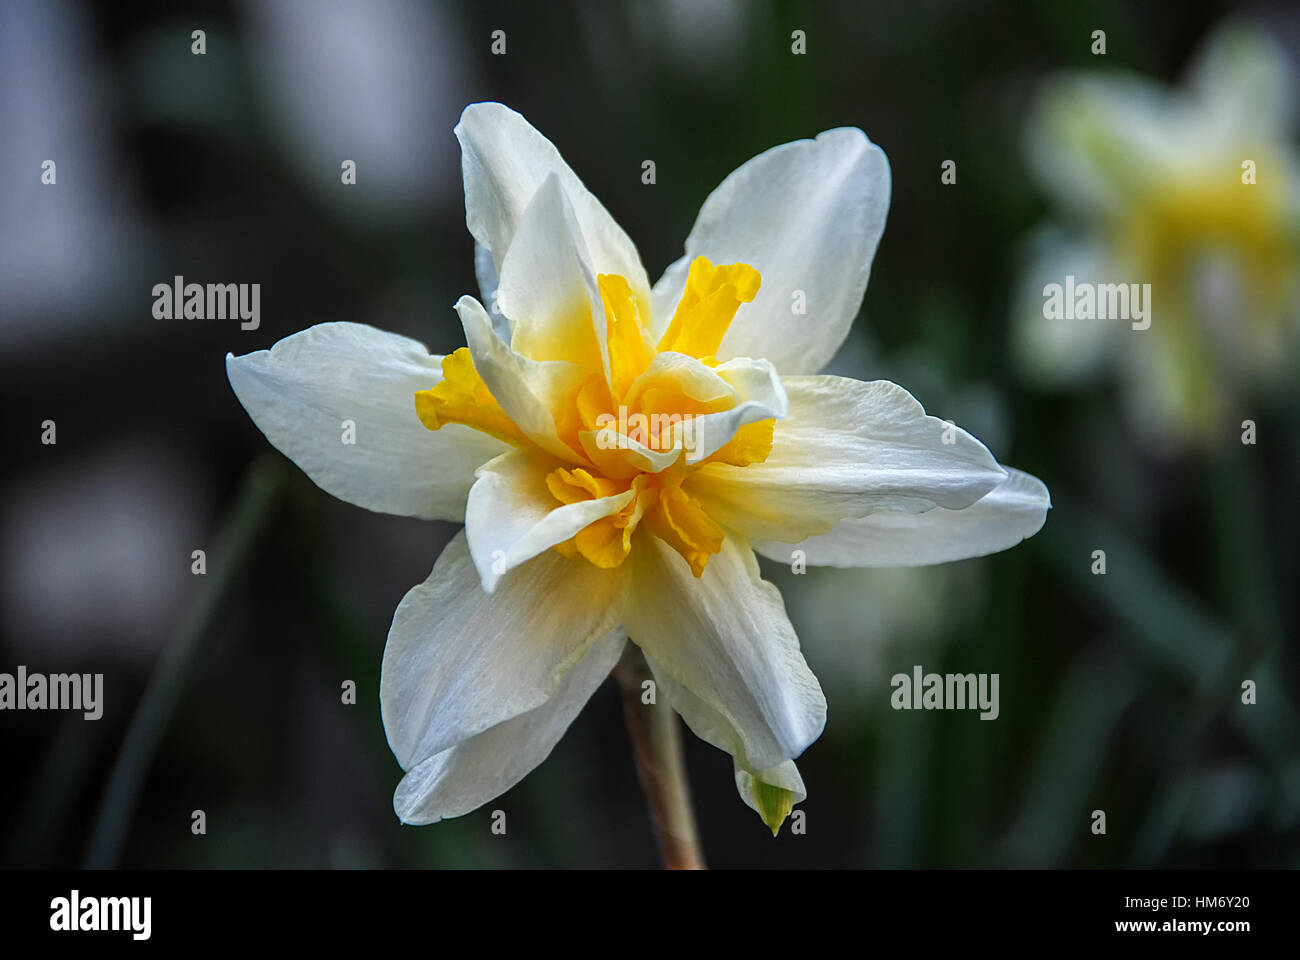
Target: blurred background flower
1119 691
1193 189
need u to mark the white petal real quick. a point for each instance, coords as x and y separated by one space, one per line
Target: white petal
752 784
485 272
619 456
725 640
1245 81
786 776
301 392
1097 139
1012 512
459 662
712 727
808 216
465 777
548 291
846 449
512 516
504 161
760 394
527 390
694 379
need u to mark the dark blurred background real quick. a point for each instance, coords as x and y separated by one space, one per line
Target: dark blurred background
1119 692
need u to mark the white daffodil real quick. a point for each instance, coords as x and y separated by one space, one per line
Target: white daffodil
619 452
1194 191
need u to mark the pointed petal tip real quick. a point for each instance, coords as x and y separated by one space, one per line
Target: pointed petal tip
777 811
477 107
403 807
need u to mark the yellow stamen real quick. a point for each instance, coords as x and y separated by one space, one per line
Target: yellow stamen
570 486
751 444
462 397
593 400
629 354
681 522
607 541
708 305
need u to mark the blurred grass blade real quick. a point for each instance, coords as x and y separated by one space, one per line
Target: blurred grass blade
265 480
1062 785
1167 625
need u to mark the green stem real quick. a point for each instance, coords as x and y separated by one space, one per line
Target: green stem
657 747
264 482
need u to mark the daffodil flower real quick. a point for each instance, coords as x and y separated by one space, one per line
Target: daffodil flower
1194 190
618 452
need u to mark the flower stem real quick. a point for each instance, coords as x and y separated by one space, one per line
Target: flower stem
657 746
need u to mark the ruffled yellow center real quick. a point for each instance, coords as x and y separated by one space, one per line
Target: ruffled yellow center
1167 230
625 427
1171 224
